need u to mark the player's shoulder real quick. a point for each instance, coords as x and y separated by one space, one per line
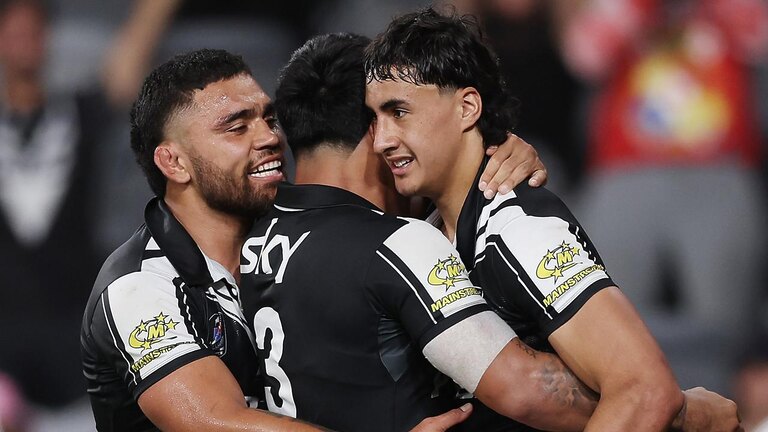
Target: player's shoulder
136 268
415 233
523 201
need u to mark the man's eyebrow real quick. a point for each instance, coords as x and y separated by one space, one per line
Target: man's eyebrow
391 103
269 110
237 115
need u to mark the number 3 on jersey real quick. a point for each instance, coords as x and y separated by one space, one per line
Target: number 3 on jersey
269 338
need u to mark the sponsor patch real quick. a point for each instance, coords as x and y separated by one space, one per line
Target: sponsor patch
454 296
557 261
150 332
152 355
447 272
569 283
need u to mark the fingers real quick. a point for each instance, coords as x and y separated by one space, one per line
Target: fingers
444 421
509 165
539 178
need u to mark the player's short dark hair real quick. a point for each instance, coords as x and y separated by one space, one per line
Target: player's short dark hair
448 51
320 98
167 89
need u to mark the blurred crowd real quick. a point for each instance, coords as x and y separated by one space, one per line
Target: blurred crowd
651 115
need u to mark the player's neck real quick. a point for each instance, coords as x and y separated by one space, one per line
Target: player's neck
219 235
360 171
456 185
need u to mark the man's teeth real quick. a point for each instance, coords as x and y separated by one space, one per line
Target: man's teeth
267 169
401 163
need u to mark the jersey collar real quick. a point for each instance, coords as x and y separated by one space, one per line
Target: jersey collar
466 229
177 245
312 196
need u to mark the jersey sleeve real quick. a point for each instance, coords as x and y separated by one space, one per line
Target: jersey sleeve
143 327
418 278
541 257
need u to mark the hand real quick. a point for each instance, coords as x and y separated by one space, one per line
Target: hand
511 163
708 411
444 421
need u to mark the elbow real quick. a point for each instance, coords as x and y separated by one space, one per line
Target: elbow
659 400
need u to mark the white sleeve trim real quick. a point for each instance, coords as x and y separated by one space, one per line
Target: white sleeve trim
466 350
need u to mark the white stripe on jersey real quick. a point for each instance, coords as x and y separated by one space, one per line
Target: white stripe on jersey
114 339
287 209
527 288
426 308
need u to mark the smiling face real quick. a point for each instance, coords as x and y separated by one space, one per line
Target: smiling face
230 140
418 130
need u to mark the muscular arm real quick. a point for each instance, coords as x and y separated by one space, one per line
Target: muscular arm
609 348
531 387
537 389
203 395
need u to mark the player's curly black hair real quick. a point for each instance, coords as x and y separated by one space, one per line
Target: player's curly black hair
320 98
446 50
167 89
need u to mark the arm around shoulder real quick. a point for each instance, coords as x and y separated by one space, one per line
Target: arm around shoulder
608 346
203 395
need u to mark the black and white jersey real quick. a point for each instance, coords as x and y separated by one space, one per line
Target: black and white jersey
535 263
343 301
159 303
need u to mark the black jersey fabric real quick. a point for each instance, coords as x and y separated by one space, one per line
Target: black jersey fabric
342 299
535 263
158 304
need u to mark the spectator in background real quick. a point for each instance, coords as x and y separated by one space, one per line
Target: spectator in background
46 212
673 197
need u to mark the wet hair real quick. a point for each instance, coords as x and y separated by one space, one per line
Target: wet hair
320 98
448 51
168 89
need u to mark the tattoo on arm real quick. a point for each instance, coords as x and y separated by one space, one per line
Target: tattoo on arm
560 382
528 350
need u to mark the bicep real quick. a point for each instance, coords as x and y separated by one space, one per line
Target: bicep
606 341
192 395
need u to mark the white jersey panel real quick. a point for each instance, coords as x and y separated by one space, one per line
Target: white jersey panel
549 253
148 322
436 265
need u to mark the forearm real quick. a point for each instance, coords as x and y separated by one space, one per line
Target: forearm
637 408
203 395
545 394
252 420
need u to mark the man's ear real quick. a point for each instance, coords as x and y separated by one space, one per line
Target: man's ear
172 162
471 107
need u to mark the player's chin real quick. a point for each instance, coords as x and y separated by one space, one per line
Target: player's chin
406 188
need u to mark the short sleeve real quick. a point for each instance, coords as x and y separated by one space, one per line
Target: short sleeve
542 260
143 326
418 278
